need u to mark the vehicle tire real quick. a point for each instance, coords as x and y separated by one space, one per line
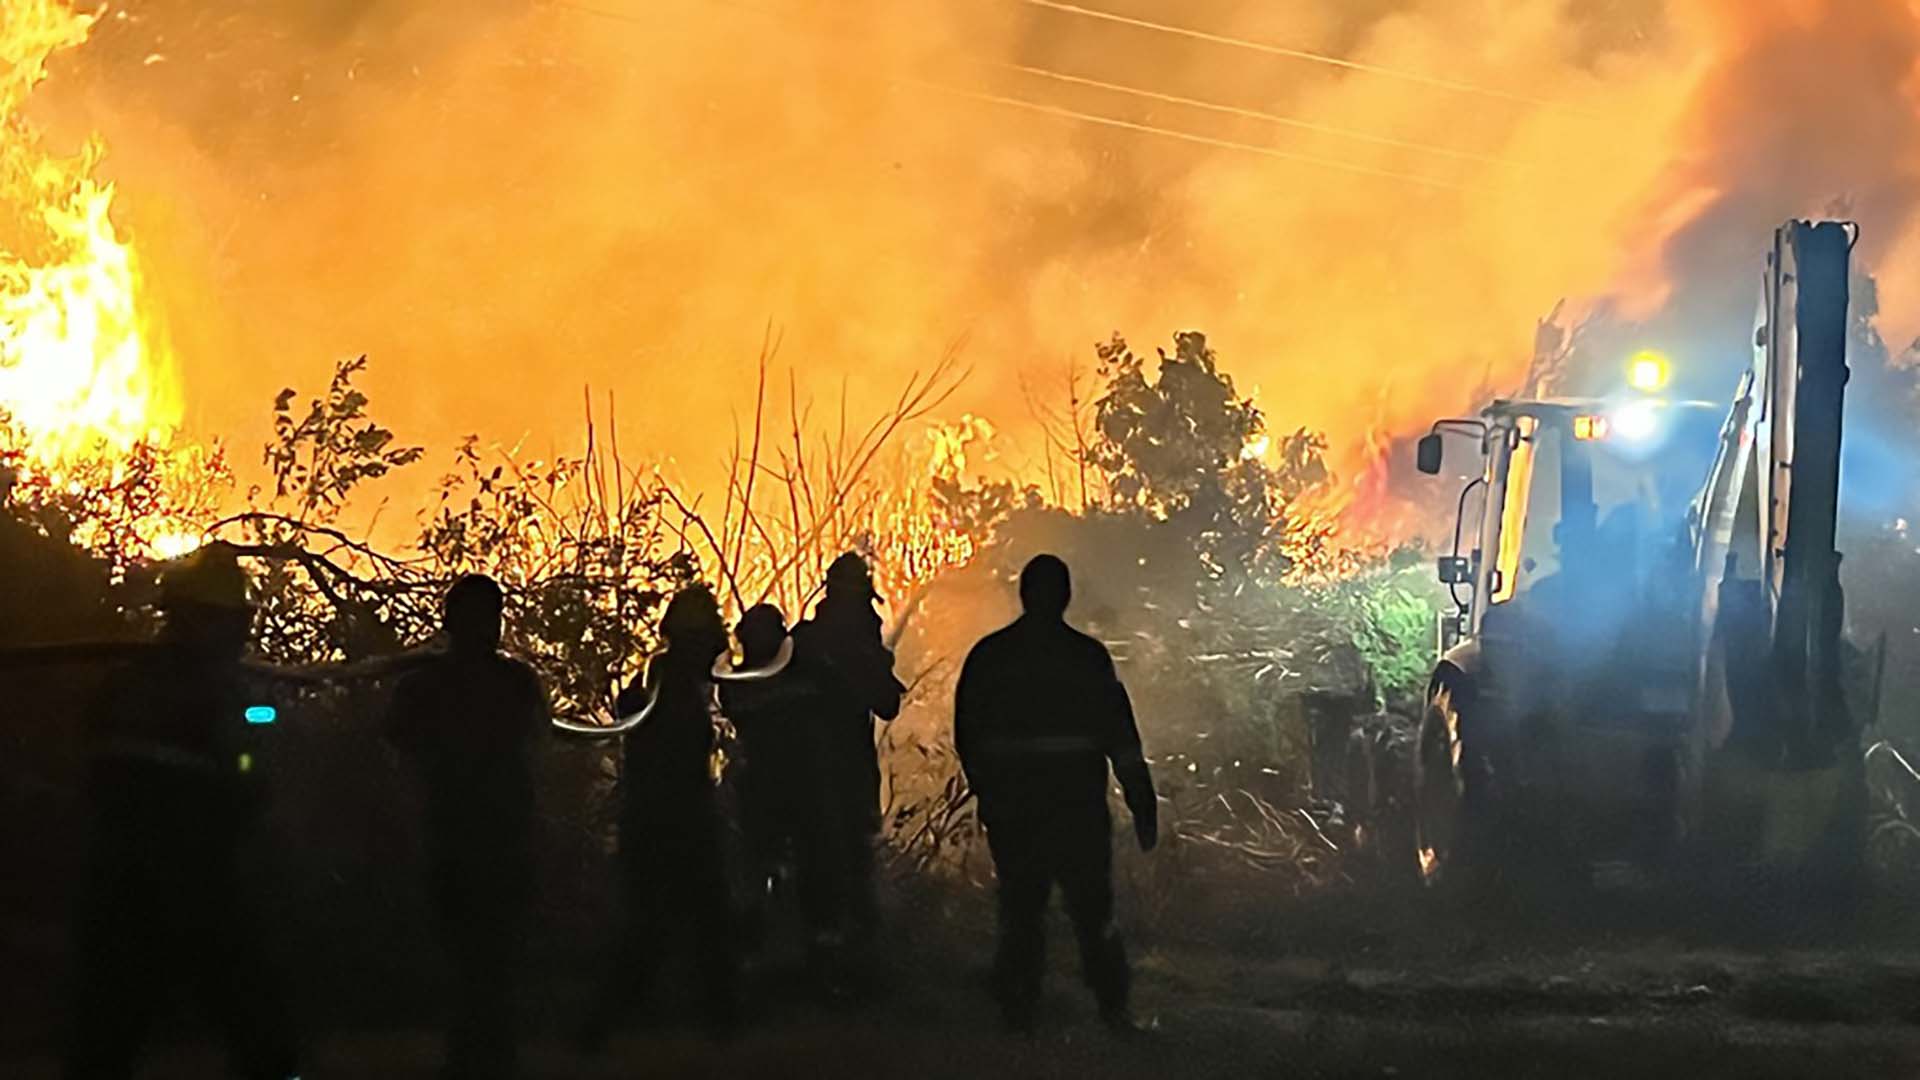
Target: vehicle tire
1441 775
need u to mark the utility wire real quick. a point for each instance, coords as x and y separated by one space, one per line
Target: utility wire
1187 136
1102 120
1290 53
1257 114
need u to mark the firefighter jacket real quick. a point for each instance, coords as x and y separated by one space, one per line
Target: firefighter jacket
169 733
839 654
469 724
1039 716
669 757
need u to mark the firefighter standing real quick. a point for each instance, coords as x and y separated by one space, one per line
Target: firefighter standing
850 670
1038 715
670 827
173 796
780 797
467 720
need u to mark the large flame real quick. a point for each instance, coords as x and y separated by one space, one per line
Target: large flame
82 364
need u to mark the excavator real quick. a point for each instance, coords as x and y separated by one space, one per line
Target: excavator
1643 661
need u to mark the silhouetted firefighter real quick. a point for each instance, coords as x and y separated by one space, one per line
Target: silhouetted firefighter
842 656
781 798
1038 715
173 787
466 720
670 826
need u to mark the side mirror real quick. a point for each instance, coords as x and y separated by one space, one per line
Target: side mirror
1454 569
1427 454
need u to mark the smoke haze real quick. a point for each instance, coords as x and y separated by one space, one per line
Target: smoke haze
502 202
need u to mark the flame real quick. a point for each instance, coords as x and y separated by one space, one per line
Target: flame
82 363
948 443
910 534
1348 523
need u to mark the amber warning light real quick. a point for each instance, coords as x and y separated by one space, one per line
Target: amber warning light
1648 371
1590 427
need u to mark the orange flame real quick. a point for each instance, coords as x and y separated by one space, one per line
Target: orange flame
82 364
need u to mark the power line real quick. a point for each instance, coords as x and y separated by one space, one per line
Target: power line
1101 120
1290 53
1257 114
1186 136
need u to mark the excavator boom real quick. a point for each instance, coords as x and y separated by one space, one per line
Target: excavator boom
1810 376
1772 608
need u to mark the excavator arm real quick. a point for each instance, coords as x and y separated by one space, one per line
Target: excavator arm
1809 346
1771 602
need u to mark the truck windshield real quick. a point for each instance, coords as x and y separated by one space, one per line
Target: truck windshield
1600 508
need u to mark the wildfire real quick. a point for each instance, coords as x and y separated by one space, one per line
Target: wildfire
82 365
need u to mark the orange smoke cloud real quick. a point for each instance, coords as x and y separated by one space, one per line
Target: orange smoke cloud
502 202
1804 108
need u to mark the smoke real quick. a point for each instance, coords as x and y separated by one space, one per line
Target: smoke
503 202
1805 108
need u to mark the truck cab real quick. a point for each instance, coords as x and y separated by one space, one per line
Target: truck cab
1575 505
1560 700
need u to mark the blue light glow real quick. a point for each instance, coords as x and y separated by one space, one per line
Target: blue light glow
1636 422
262 714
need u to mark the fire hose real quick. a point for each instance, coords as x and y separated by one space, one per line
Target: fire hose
723 671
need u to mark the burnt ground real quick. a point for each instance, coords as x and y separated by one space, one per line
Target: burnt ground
1602 984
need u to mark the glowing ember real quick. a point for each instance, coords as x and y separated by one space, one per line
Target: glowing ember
175 543
81 364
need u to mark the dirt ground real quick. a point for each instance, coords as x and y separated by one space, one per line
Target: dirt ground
1604 985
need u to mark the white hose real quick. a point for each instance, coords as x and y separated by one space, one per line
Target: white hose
619 727
723 671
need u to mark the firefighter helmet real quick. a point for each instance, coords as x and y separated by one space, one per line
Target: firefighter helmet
209 577
850 574
693 616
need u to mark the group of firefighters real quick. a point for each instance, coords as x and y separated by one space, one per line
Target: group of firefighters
1040 717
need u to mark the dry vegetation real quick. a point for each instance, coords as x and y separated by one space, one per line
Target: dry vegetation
1241 622
1180 538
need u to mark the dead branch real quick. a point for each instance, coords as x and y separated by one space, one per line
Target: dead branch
726 569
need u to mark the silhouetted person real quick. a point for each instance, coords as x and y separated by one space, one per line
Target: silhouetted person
778 774
670 827
467 721
842 656
1038 715
173 794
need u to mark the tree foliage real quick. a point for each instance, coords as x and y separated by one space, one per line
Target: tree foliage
587 565
319 457
1182 447
1175 446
